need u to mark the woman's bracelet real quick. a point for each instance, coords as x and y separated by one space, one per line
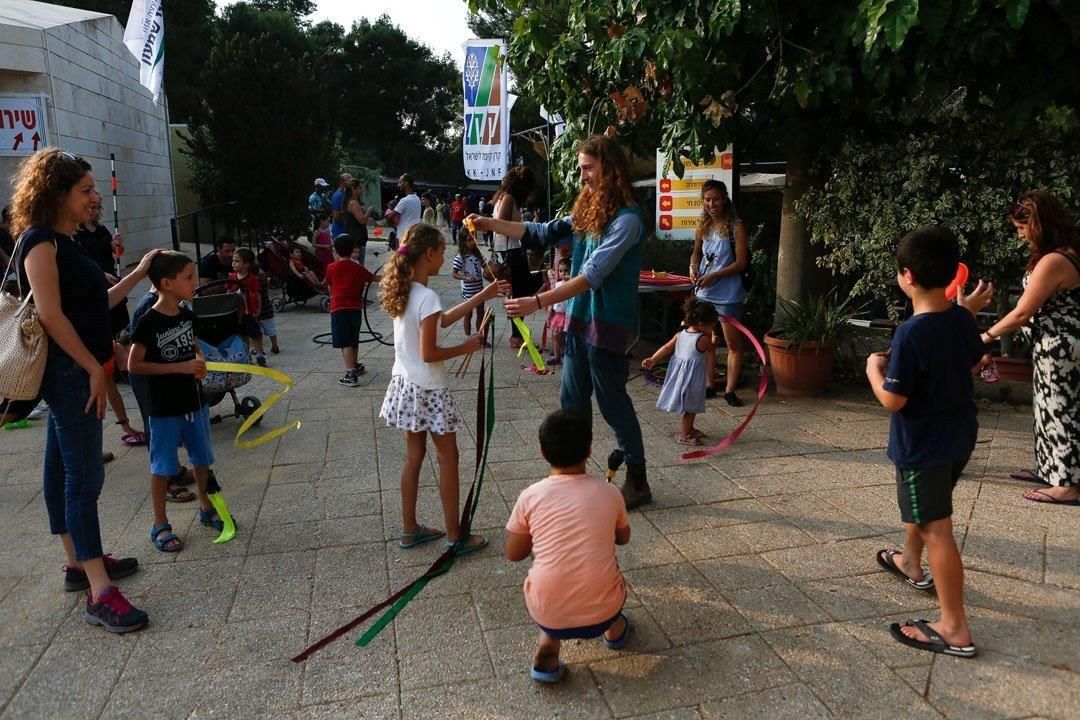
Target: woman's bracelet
539 306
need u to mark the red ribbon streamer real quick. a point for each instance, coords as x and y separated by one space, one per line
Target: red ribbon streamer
762 389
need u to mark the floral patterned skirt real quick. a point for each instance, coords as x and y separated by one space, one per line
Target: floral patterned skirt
412 408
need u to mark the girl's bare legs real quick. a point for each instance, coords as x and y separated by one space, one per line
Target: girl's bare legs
415 449
447 453
687 426
556 344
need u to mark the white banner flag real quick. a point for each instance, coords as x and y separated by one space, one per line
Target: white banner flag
145 38
487 117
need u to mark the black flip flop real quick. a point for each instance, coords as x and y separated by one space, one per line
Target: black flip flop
885 559
935 644
1047 499
1027 476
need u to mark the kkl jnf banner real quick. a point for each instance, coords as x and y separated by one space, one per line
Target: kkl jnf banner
487 119
145 38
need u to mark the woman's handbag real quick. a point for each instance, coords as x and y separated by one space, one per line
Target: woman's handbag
23 343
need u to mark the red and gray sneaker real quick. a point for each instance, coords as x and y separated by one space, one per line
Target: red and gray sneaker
114 613
75 579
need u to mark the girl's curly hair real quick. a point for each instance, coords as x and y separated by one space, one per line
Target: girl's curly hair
594 208
726 224
40 181
397 273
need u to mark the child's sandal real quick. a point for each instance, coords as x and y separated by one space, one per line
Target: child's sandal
163 543
208 519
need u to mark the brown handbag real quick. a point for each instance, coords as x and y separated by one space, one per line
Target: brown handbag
24 343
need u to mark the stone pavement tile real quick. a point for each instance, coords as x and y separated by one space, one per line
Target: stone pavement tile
1039 641
27 559
791 702
375 707
183 577
1062 560
739 539
1006 549
349 575
339 531
702 483
812 514
71 679
740 572
999 686
701 517
848 679
248 690
862 596
647 547
512 695
637 683
15 663
736 468
272 537
372 670
666 493
917 677
873 634
298 473
274 585
501 607
486 569
789 482
875 506
530 469
343 497
830 560
439 638
684 713
685 604
1017 597
514 647
34 609
775 607
289 504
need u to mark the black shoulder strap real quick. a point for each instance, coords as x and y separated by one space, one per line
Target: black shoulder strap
1074 261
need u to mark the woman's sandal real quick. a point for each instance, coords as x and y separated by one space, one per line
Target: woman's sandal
466 548
178 494
421 536
163 543
1027 476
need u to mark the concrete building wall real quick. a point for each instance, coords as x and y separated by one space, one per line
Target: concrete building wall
97 107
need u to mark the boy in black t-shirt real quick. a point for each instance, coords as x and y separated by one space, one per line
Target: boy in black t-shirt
165 351
925 381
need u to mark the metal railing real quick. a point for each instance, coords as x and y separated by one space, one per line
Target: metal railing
213 211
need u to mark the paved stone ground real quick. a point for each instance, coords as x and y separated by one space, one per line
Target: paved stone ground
753 587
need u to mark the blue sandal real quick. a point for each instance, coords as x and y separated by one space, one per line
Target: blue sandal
466 548
207 520
548 677
162 543
422 535
620 642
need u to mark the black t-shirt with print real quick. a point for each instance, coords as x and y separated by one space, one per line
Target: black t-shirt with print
169 339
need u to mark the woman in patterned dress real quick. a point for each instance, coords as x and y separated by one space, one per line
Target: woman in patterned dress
1051 302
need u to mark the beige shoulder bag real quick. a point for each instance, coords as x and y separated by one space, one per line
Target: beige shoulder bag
23 342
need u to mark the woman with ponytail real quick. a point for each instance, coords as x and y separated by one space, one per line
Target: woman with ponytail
417 401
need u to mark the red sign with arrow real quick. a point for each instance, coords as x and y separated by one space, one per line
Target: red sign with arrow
23 124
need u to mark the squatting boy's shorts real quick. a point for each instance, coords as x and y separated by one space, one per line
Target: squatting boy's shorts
345 326
581 633
925 494
166 434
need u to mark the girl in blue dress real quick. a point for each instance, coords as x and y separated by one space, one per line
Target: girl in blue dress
690 373
720 255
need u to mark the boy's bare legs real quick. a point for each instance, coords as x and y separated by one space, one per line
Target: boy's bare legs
348 354
948 572
116 402
415 449
547 653
447 453
617 629
158 485
910 561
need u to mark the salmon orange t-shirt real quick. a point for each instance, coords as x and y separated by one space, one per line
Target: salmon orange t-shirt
574 580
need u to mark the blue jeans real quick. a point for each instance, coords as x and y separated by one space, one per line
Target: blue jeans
587 368
73 470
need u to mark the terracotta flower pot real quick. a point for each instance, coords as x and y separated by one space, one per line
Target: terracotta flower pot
800 372
1014 369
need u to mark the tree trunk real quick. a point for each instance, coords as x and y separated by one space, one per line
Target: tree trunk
795 261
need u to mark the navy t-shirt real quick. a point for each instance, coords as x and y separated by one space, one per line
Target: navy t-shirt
84 295
930 364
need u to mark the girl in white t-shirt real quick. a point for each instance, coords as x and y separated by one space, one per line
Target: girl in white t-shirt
417 400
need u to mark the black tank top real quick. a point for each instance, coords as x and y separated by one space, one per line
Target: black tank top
354 228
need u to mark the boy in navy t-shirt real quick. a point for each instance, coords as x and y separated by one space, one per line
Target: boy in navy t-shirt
925 381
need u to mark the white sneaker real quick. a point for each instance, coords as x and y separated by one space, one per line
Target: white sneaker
349 380
39 411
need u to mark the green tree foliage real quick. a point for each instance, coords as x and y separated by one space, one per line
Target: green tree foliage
296 9
266 128
961 172
397 101
188 39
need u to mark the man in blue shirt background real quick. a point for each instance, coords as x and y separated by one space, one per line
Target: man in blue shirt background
317 202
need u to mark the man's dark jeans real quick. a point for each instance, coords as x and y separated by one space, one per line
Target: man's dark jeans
73 470
587 368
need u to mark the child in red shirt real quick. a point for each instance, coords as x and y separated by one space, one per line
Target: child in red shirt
347 280
246 271
296 265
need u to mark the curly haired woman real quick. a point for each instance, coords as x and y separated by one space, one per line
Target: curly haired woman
608 230
54 192
1050 308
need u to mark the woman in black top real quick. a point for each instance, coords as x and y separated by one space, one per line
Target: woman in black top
356 218
54 192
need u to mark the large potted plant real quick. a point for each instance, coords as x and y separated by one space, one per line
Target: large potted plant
802 343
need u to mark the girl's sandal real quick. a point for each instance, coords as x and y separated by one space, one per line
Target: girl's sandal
421 536
684 440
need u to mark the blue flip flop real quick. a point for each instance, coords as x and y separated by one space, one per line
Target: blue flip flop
466 549
421 536
548 677
620 642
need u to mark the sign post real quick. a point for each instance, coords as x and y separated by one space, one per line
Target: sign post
24 125
487 117
678 200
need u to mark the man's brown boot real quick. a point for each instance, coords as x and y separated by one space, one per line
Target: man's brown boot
635 490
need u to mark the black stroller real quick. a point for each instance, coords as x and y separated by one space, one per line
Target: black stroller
217 326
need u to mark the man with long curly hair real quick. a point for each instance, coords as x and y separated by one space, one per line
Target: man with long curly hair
608 230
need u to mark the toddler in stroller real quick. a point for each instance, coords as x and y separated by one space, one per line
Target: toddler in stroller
297 270
217 327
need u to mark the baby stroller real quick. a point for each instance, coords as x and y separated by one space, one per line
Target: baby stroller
217 325
294 291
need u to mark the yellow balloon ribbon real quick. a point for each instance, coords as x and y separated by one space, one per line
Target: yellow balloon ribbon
253 418
527 344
